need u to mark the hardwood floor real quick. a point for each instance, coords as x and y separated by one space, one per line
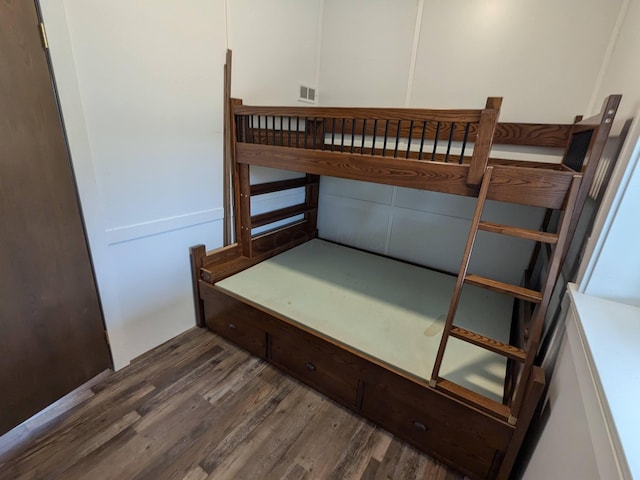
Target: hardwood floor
199 408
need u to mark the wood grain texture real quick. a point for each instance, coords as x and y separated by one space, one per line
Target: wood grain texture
535 235
532 134
196 255
265 245
506 288
392 171
243 210
482 147
555 263
528 186
509 133
277 186
508 351
393 114
199 408
228 146
279 214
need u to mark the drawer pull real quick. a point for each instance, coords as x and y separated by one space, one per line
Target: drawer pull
310 366
419 425
232 326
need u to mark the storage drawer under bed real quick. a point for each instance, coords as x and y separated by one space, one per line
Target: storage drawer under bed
316 362
237 322
422 417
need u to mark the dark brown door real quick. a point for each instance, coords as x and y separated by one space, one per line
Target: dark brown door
51 328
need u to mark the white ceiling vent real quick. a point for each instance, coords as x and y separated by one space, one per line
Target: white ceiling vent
307 94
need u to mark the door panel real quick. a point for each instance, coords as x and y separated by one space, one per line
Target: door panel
51 328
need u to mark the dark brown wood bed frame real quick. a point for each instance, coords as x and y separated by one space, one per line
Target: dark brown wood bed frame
477 435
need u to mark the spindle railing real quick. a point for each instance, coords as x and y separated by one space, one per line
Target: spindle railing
446 136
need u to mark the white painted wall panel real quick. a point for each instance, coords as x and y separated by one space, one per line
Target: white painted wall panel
275 46
366 52
153 289
141 92
543 56
150 82
621 71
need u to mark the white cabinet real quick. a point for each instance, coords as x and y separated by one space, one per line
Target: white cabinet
593 428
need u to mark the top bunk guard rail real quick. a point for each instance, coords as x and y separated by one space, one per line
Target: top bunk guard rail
460 137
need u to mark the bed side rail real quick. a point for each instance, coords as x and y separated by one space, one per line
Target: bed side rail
449 136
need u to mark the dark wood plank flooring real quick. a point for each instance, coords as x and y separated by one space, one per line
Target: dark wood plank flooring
199 408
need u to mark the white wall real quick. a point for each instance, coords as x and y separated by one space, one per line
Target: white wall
141 121
426 53
366 52
621 68
275 47
141 91
542 56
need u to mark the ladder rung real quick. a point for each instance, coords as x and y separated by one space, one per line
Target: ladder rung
544 237
501 287
487 343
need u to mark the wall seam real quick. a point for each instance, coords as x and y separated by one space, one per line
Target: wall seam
319 45
414 53
226 24
407 100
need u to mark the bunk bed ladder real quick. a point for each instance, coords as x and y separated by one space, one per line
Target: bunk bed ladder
541 298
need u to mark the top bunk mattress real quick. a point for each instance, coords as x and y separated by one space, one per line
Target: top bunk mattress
387 309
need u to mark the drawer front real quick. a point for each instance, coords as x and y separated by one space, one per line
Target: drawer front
448 430
317 363
238 322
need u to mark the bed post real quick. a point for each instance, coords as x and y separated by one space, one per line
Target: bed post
311 200
533 396
235 172
482 147
228 159
196 256
601 123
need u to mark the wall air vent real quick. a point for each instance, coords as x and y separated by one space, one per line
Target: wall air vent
307 94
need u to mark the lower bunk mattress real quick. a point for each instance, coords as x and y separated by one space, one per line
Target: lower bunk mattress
387 309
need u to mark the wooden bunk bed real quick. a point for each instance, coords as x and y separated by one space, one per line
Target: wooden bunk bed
443 362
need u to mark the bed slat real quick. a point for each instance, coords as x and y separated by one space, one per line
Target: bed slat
270 187
280 214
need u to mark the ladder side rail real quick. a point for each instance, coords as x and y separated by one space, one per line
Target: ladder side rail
540 313
455 298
